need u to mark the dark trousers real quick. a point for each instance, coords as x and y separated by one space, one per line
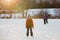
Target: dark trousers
45 21
31 33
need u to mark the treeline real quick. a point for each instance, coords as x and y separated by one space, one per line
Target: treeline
50 16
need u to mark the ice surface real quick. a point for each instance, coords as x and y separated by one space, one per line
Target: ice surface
14 29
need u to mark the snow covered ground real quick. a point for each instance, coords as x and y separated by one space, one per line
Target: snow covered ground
14 29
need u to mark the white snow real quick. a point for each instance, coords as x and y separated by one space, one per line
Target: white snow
14 29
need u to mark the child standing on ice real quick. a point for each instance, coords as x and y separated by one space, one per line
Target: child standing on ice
45 18
29 25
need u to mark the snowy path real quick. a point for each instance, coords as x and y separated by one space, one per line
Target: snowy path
14 29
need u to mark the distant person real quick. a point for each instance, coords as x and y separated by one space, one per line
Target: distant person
29 25
45 17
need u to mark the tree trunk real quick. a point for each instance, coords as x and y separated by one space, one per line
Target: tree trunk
23 14
26 13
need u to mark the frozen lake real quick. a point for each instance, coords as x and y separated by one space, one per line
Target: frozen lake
14 29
